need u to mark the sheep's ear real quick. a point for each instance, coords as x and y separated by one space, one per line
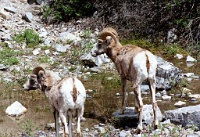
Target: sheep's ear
108 39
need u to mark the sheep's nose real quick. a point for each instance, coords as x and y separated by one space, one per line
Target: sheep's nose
25 87
93 54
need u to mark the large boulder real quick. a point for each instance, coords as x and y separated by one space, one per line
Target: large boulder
167 74
130 116
186 116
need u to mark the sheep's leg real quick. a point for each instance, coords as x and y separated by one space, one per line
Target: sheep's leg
56 117
82 112
64 121
79 114
140 105
124 96
70 123
152 85
136 104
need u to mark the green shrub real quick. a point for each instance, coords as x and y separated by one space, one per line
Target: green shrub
31 38
67 9
45 59
172 49
8 56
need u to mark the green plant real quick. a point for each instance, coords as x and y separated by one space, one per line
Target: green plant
139 42
45 59
86 34
8 56
66 9
31 38
172 49
182 22
44 47
28 128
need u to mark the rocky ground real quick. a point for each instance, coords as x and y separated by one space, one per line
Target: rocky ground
57 50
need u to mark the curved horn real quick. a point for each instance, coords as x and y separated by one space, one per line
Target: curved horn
102 35
37 69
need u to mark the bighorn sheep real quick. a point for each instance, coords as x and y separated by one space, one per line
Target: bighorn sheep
132 63
66 97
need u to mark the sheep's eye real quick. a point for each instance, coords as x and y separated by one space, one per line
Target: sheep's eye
99 45
32 81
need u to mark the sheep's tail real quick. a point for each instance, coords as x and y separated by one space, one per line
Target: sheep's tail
74 94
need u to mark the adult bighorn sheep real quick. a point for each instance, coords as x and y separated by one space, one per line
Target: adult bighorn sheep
132 63
66 96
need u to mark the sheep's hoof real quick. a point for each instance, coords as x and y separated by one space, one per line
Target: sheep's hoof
83 119
136 109
122 111
138 131
155 125
79 134
66 135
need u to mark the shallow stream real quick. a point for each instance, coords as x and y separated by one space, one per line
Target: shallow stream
100 104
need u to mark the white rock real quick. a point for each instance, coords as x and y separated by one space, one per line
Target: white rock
196 96
179 104
184 90
188 74
190 59
16 109
43 34
60 48
179 56
47 51
102 130
166 97
50 125
117 94
64 36
36 51
190 64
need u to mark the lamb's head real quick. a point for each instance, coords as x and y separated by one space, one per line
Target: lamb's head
35 79
107 38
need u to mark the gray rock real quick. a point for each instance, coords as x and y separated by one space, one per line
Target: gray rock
28 16
4 14
38 2
185 116
166 75
6 37
10 9
60 48
91 61
158 95
130 117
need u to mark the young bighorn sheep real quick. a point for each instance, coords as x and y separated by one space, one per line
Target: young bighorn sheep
66 97
132 63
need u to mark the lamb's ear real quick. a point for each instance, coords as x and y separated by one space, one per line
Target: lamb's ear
108 39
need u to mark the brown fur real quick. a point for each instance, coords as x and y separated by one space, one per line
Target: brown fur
147 64
74 93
